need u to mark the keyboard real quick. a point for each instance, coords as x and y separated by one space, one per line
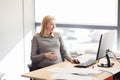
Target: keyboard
86 63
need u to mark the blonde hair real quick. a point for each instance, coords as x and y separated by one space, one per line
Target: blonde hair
44 23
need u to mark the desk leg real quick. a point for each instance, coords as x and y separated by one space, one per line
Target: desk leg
116 76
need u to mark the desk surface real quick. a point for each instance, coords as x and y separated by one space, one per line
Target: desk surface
45 74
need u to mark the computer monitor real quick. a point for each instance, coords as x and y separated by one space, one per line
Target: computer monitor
106 43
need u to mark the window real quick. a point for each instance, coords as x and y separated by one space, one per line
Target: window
97 13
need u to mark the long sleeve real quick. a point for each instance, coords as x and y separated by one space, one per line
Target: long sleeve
35 52
63 50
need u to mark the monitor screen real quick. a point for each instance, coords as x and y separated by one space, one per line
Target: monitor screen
106 42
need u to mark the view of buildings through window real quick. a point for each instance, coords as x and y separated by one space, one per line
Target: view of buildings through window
80 39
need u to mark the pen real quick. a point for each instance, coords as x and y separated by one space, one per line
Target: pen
80 74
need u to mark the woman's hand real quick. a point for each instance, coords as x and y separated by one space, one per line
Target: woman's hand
76 61
51 56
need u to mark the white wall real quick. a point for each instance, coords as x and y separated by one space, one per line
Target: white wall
16 31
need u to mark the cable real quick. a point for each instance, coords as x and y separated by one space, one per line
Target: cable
106 71
113 55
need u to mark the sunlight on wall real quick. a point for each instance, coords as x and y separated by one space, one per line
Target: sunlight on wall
15 63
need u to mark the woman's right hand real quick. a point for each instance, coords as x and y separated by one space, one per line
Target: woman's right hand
51 56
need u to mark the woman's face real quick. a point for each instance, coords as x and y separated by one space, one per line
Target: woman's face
51 25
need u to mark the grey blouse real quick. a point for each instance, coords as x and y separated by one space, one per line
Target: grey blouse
41 45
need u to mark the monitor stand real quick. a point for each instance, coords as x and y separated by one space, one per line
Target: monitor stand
109 64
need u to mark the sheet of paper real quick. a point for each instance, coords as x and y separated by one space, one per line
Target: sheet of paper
80 71
110 70
71 77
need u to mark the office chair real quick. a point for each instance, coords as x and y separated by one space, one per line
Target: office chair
32 67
